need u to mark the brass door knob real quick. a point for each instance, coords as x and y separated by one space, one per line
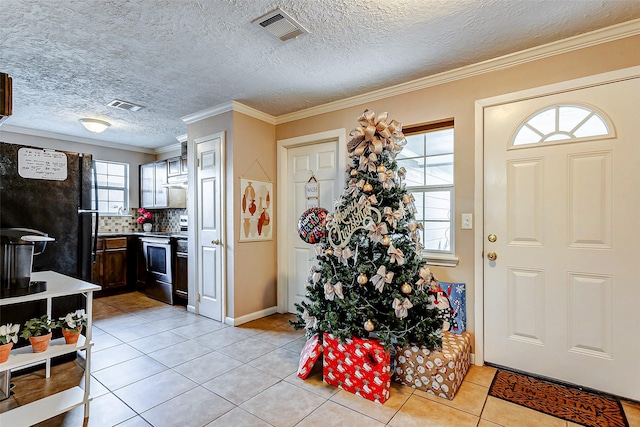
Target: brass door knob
492 256
492 238
215 242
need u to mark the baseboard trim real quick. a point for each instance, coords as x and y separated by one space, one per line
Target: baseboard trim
235 321
191 308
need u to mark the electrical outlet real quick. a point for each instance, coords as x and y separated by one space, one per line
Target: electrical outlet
467 222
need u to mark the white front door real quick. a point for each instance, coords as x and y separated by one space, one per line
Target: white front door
322 160
562 298
209 227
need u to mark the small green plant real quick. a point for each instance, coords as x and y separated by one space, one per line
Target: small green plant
9 333
73 320
37 327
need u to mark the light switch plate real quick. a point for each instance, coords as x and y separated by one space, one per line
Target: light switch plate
467 221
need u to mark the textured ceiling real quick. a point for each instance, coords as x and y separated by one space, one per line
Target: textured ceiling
69 58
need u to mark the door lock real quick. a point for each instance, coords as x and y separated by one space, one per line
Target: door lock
215 242
492 238
492 256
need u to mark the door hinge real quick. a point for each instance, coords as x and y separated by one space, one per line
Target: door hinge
198 297
197 163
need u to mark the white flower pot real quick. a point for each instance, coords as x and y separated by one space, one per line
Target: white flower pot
147 226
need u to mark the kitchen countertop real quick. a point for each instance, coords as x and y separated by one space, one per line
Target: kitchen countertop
175 235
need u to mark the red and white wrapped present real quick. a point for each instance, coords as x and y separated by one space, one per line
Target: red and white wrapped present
359 366
309 355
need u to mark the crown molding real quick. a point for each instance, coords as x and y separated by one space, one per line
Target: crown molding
593 38
69 138
225 108
167 148
182 138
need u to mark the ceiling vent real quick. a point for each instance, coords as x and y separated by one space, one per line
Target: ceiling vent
124 105
281 25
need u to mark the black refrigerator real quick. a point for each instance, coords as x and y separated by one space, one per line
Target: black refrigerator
49 191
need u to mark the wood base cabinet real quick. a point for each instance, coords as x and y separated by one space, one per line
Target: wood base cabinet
110 266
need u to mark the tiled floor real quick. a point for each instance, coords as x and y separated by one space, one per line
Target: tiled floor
155 364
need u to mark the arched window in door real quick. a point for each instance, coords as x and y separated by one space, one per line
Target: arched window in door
562 123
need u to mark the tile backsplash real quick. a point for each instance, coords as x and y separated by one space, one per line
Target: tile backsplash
164 220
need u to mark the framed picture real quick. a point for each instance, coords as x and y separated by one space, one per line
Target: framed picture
256 213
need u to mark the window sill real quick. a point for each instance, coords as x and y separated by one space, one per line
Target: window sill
441 260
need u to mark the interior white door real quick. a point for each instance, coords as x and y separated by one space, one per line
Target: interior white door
321 159
562 298
209 226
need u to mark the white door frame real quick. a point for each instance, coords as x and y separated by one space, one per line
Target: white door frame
479 233
193 305
283 145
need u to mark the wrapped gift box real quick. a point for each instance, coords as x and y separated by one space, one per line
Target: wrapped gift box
360 366
439 371
309 355
452 306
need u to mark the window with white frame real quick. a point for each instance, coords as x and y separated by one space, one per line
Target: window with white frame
428 160
113 187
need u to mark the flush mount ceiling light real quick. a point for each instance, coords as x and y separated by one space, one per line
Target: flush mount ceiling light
95 125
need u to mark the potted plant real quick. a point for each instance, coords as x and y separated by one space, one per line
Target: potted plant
38 331
145 219
8 337
71 325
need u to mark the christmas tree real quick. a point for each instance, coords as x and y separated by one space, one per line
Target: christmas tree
370 279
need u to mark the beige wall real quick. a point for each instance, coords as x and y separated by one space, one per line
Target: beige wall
255 262
456 100
131 157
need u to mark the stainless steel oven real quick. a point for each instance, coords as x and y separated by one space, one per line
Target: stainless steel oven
158 260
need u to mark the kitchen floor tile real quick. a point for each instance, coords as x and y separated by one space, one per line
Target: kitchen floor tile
481 375
383 413
313 383
241 384
470 398
280 362
136 332
180 353
157 341
194 408
197 329
119 322
135 422
332 414
112 356
247 349
104 340
238 418
421 412
222 337
511 415
154 390
283 404
207 367
125 373
296 345
279 336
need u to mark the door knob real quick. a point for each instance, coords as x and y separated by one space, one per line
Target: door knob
215 242
492 237
492 256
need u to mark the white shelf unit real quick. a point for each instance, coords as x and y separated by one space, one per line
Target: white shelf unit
58 285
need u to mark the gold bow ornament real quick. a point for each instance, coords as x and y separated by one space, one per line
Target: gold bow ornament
392 217
310 322
387 178
381 277
343 255
330 291
402 308
377 231
425 278
368 163
396 255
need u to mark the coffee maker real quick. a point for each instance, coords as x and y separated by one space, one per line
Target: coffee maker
17 249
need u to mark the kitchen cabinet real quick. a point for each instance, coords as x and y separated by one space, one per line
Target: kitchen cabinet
141 267
58 403
110 266
181 277
155 191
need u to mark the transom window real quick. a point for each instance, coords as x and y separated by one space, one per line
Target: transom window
428 159
559 123
113 187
